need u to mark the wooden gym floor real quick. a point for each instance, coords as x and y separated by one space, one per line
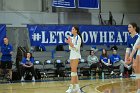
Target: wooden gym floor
118 85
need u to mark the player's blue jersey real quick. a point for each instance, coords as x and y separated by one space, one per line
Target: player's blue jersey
131 41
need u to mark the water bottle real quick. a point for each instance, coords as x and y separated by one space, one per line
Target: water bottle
103 75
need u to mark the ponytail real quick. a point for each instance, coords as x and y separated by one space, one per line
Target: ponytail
137 29
78 32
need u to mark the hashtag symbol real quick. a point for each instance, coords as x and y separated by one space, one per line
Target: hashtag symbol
36 36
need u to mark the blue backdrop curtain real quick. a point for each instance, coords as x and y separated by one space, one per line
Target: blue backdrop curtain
2 33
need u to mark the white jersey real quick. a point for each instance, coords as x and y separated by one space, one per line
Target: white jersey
75 51
137 43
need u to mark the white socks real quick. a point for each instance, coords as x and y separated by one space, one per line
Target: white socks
77 86
71 86
138 91
70 89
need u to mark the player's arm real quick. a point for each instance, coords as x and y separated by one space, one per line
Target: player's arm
11 50
135 48
69 41
23 62
127 54
78 44
75 46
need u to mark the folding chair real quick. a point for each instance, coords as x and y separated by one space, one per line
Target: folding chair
60 68
39 70
49 68
67 68
84 68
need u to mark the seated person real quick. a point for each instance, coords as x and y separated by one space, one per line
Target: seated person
117 61
27 65
93 61
105 61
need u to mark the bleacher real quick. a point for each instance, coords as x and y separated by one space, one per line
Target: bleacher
83 68
42 56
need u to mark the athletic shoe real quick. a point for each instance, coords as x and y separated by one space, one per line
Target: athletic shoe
121 74
22 79
70 89
77 89
138 91
33 79
112 72
129 67
132 75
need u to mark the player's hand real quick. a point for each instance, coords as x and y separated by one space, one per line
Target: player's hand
68 40
106 64
137 46
31 64
128 60
11 53
25 65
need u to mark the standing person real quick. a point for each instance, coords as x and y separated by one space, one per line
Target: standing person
6 58
138 85
136 50
27 65
75 43
131 39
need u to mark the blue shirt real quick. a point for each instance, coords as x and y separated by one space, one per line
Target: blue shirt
115 58
131 41
105 59
25 61
5 50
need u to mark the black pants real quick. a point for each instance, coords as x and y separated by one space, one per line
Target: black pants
6 67
128 71
6 64
109 68
24 69
60 71
95 66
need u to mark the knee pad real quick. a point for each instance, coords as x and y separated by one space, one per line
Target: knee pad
73 73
